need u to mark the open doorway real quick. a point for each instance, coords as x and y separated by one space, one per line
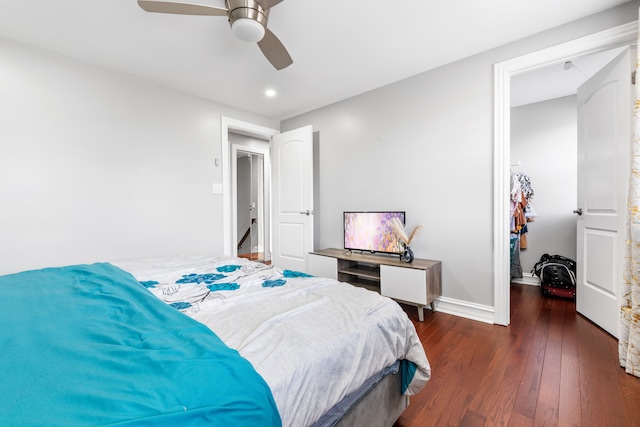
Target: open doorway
544 139
624 35
228 128
251 206
249 213
250 187
544 134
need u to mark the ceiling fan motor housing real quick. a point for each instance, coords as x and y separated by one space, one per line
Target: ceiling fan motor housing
245 14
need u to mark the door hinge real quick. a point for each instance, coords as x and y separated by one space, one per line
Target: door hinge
633 78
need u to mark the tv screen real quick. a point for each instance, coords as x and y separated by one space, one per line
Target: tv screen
372 232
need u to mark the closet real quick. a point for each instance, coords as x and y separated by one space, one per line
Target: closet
544 147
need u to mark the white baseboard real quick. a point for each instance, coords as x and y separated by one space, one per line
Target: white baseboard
527 279
468 310
479 312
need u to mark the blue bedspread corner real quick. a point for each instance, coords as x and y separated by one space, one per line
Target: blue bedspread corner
89 345
407 370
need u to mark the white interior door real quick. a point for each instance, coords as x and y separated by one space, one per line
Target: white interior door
604 138
292 192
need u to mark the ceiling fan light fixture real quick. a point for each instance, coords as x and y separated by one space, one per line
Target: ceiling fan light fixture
248 30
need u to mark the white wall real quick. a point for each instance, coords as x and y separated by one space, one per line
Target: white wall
425 145
96 166
544 140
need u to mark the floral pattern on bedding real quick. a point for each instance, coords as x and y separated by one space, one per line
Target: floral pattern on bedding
200 278
223 287
228 268
180 305
273 283
149 283
185 292
293 274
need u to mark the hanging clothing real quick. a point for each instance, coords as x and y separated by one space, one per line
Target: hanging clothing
522 210
530 213
516 268
525 185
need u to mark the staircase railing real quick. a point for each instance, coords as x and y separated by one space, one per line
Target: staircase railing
246 234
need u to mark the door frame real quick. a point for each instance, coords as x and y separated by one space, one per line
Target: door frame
623 35
228 192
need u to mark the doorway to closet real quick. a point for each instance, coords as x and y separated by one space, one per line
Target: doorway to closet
544 155
599 138
624 35
543 146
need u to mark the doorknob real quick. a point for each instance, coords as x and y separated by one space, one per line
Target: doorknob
578 211
307 212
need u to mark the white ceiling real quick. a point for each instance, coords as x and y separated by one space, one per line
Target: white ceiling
557 80
340 48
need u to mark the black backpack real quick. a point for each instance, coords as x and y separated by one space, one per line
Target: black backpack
556 271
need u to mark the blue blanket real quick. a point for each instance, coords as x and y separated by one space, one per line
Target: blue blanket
89 345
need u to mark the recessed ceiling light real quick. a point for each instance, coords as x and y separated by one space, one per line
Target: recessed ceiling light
270 93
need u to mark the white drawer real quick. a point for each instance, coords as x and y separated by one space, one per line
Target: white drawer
406 284
322 266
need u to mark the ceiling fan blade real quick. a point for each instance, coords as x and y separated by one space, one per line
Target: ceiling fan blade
181 8
274 51
267 4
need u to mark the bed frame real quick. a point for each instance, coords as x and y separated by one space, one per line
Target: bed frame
382 406
378 402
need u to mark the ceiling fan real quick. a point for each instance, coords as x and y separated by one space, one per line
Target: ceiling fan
248 20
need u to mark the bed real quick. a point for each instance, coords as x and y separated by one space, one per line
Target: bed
202 340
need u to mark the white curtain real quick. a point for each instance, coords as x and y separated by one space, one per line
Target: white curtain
629 336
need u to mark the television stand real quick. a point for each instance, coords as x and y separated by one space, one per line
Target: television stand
418 283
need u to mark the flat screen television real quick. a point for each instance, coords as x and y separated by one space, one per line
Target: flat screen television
372 232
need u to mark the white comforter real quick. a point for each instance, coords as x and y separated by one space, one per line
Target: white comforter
313 340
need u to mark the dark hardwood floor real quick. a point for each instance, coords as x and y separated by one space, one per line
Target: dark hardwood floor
550 367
